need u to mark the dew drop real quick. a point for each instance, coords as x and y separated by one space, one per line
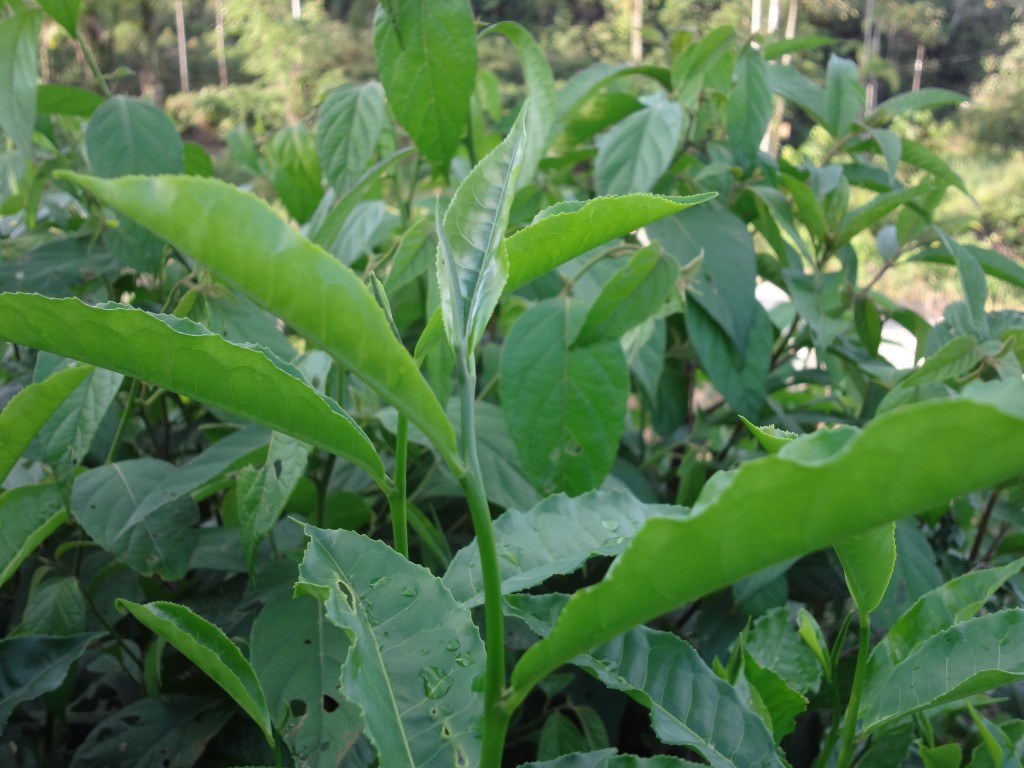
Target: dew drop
452 645
436 683
610 525
466 659
409 591
380 581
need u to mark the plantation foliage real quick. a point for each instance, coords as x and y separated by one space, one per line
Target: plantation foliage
450 430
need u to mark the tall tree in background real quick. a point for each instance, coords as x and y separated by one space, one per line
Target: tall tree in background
179 19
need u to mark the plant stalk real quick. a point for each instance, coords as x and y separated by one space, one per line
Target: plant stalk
496 717
849 738
399 516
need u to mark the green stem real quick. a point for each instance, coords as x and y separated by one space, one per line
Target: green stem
849 739
495 716
399 517
90 59
133 392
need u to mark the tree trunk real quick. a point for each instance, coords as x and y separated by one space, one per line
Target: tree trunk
918 68
636 31
772 137
179 17
868 52
296 9
773 16
755 17
222 60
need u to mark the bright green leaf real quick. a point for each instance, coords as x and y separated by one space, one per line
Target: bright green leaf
472 263
184 357
30 409
206 646
421 706
540 90
28 514
844 95
872 212
19 52
555 239
426 55
774 643
64 12
295 170
349 125
633 294
56 99
925 98
781 703
780 507
274 265
868 560
634 154
968 658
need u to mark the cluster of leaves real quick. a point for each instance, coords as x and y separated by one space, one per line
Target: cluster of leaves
206 550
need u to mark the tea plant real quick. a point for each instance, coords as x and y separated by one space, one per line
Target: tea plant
581 371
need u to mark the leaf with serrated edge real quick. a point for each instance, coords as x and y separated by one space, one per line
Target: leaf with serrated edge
184 357
689 704
556 536
540 89
472 264
779 507
29 410
34 665
968 658
206 646
28 514
415 652
239 237
556 239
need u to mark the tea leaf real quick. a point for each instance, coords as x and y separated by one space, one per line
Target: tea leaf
184 357
632 156
206 646
777 507
28 514
273 264
349 124
19 55
416 655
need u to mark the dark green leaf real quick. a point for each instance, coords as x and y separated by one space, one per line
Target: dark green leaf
556 536
565 405
774 643
153 733
994 263
925 98
608 758
780 704
793 86
32 665
724 287
297 655
690 705
263 493
750 106
68 434
872 212
426 55
206 646
55 606
197 160
415 652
